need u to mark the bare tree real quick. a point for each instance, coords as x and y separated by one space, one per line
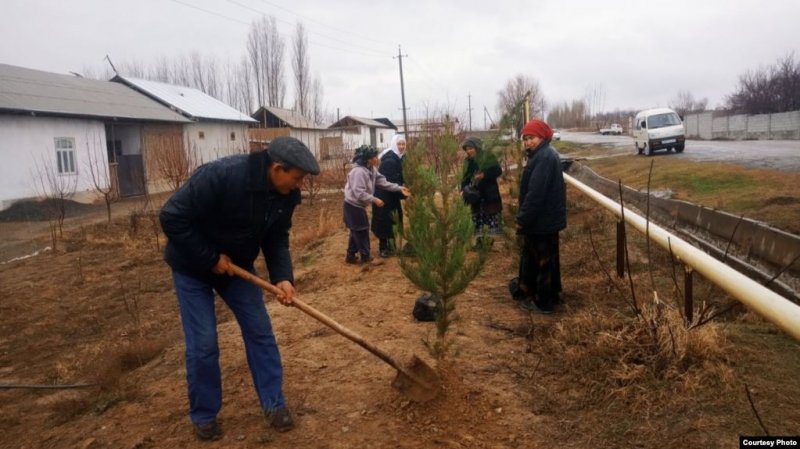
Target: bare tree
302 69
244 85
276 83
768 90
509 99
99 172
256 41
265 51
684 103
174 165
317 112
55 182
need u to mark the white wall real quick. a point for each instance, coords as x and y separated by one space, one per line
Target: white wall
26 141
216 141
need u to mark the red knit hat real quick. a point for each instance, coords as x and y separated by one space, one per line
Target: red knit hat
537 128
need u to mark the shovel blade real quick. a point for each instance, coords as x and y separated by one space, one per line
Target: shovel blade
417 381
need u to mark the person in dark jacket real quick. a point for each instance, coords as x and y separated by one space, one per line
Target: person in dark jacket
229 210
481 171
542 214
383 217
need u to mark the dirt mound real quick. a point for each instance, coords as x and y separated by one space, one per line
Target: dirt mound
40 210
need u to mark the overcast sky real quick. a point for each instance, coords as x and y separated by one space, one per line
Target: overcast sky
639 54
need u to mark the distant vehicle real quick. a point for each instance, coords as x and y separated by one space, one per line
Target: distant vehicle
657 129
556 134
615 129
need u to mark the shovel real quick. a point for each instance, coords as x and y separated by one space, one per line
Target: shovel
417 381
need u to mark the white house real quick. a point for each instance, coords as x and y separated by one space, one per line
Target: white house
358 131
216 129
277 122
66 125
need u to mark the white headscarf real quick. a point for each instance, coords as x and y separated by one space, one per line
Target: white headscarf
393 146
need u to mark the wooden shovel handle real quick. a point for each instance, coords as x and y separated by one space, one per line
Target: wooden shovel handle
319 316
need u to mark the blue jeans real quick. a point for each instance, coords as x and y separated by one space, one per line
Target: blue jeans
196 302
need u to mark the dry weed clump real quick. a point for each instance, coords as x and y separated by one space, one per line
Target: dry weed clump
630 355
108 377
327 225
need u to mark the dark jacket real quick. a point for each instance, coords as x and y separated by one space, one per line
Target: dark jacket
392 168
542 196
487 163
227 207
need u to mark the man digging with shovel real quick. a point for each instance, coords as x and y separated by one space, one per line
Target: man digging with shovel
229 210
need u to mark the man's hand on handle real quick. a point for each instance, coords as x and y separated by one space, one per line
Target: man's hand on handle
223 266
287 299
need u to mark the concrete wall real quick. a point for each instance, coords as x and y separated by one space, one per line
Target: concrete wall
28 141
782 126
757 240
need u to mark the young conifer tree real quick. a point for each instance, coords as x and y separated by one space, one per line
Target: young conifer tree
439 228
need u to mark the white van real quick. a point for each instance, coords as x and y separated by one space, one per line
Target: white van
657 129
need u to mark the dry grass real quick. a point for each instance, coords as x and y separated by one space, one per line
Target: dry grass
327 224
111 386
766 195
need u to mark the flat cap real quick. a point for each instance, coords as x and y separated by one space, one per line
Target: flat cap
294 153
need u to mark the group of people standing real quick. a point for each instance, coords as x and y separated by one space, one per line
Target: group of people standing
235 207
377 180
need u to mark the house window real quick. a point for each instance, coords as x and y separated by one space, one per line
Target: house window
65 155
233 135
202 134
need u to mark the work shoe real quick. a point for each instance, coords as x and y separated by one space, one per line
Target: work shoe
529 305
280 419
208 431
351 259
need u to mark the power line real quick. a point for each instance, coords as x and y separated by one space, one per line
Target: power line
213 13
429 77
210 12
378 52
325 25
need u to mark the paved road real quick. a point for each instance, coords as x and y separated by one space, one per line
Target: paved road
772 154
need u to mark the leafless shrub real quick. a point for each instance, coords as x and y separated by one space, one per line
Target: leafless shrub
312 184
173 163
327 224
101 178
55 186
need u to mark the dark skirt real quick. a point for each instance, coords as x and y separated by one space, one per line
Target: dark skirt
355 218
540 268
383 217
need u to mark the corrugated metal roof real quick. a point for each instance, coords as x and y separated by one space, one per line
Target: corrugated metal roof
24 89
362 120
190 102
290 117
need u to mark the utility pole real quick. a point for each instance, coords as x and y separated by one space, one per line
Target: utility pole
486 114
469 109
402 91
526 111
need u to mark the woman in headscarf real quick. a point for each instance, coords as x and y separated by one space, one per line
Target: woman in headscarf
542 215
481 171
391 166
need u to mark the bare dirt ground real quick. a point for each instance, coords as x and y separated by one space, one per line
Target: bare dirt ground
102 311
